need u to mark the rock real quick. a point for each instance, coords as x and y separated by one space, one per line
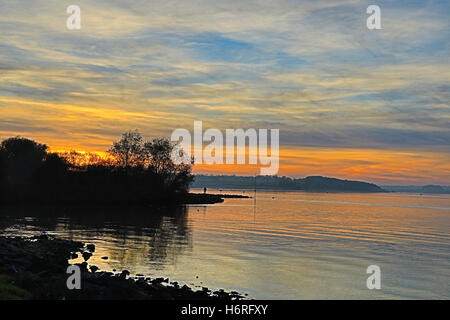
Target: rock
86 256
93 268
158 280
106 274
124 274
83 266
90 247
105 258
73 255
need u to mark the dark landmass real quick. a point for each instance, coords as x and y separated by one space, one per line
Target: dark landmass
308 184
428 189
137 173
35 268
201 198
9 197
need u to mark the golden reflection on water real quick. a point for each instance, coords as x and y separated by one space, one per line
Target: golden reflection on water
302 245
289 245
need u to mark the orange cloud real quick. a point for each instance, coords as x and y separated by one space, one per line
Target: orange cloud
66 127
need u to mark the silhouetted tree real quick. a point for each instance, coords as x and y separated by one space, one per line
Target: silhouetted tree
129 150
2 166
31 174
52 171
83 160
23 157
159 153
174 177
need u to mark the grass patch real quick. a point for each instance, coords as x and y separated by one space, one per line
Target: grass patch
9 291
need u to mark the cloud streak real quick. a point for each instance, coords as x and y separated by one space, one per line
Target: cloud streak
310 68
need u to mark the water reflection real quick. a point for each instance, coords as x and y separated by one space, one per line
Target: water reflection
290 245
143 238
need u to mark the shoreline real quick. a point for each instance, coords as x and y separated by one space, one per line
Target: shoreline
210 198
181 199
35 268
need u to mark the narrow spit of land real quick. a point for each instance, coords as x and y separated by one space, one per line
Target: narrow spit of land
206 198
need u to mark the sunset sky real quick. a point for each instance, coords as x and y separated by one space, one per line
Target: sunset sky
350 102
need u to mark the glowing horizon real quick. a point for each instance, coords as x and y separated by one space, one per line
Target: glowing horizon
385 167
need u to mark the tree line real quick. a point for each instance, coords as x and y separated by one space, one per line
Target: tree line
134 171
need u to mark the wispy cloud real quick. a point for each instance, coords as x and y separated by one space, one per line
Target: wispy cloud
310 68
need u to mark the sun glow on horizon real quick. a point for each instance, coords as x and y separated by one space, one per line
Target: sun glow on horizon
389 167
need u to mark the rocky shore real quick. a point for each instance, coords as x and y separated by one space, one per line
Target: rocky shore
35 268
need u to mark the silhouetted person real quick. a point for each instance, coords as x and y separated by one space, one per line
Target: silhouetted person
204 190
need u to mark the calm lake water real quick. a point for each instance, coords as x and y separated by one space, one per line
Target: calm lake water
289 245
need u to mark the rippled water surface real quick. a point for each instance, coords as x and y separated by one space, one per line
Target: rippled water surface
284 245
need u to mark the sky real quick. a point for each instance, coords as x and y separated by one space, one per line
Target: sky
349 102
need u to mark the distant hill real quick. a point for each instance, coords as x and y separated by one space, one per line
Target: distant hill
309 184
430 189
